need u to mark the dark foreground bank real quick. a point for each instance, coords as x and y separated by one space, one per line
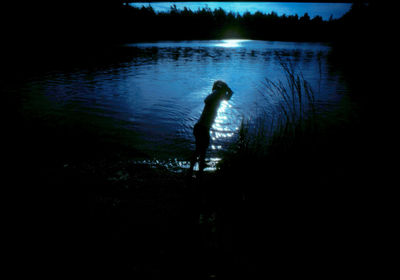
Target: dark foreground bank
117 218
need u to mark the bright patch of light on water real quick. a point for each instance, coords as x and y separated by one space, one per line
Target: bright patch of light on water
178 166
230 43
221 128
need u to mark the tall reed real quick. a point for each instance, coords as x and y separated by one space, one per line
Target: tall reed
296 113
289 126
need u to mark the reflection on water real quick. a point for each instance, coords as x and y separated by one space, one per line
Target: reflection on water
177 165
156 90
233 43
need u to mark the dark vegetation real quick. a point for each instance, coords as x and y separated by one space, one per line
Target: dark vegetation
38 35
302 199
90 22
324 176
208 24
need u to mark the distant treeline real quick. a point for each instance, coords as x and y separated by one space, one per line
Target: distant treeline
116 21
217 24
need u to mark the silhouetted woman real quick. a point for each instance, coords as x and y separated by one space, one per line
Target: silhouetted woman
201 130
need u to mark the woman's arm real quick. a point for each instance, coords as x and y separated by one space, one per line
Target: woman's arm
228 93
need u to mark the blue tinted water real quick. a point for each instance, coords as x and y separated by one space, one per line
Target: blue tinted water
156 90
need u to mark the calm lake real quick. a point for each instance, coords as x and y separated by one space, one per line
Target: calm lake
154 92
325 10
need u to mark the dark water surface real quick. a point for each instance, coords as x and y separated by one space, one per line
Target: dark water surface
152 93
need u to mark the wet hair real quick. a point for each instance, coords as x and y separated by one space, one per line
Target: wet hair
219 85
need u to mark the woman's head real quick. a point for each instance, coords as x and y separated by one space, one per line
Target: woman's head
221 86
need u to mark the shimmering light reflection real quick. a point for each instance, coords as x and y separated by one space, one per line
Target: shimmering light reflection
212 164
230 43
221 128
178 166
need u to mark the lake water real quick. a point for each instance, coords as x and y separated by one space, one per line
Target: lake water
325 10
155 91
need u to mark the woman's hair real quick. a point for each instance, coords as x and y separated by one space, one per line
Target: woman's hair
219 85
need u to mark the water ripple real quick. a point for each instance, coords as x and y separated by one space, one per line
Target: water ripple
158 89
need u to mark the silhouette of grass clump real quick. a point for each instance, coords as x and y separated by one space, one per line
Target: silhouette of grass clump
289 133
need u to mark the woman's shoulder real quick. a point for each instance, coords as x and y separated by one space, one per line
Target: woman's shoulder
213 97
210 97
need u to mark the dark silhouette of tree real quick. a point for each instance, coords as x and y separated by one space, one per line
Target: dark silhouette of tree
305 18
113 21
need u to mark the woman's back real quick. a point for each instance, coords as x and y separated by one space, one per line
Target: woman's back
210 110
